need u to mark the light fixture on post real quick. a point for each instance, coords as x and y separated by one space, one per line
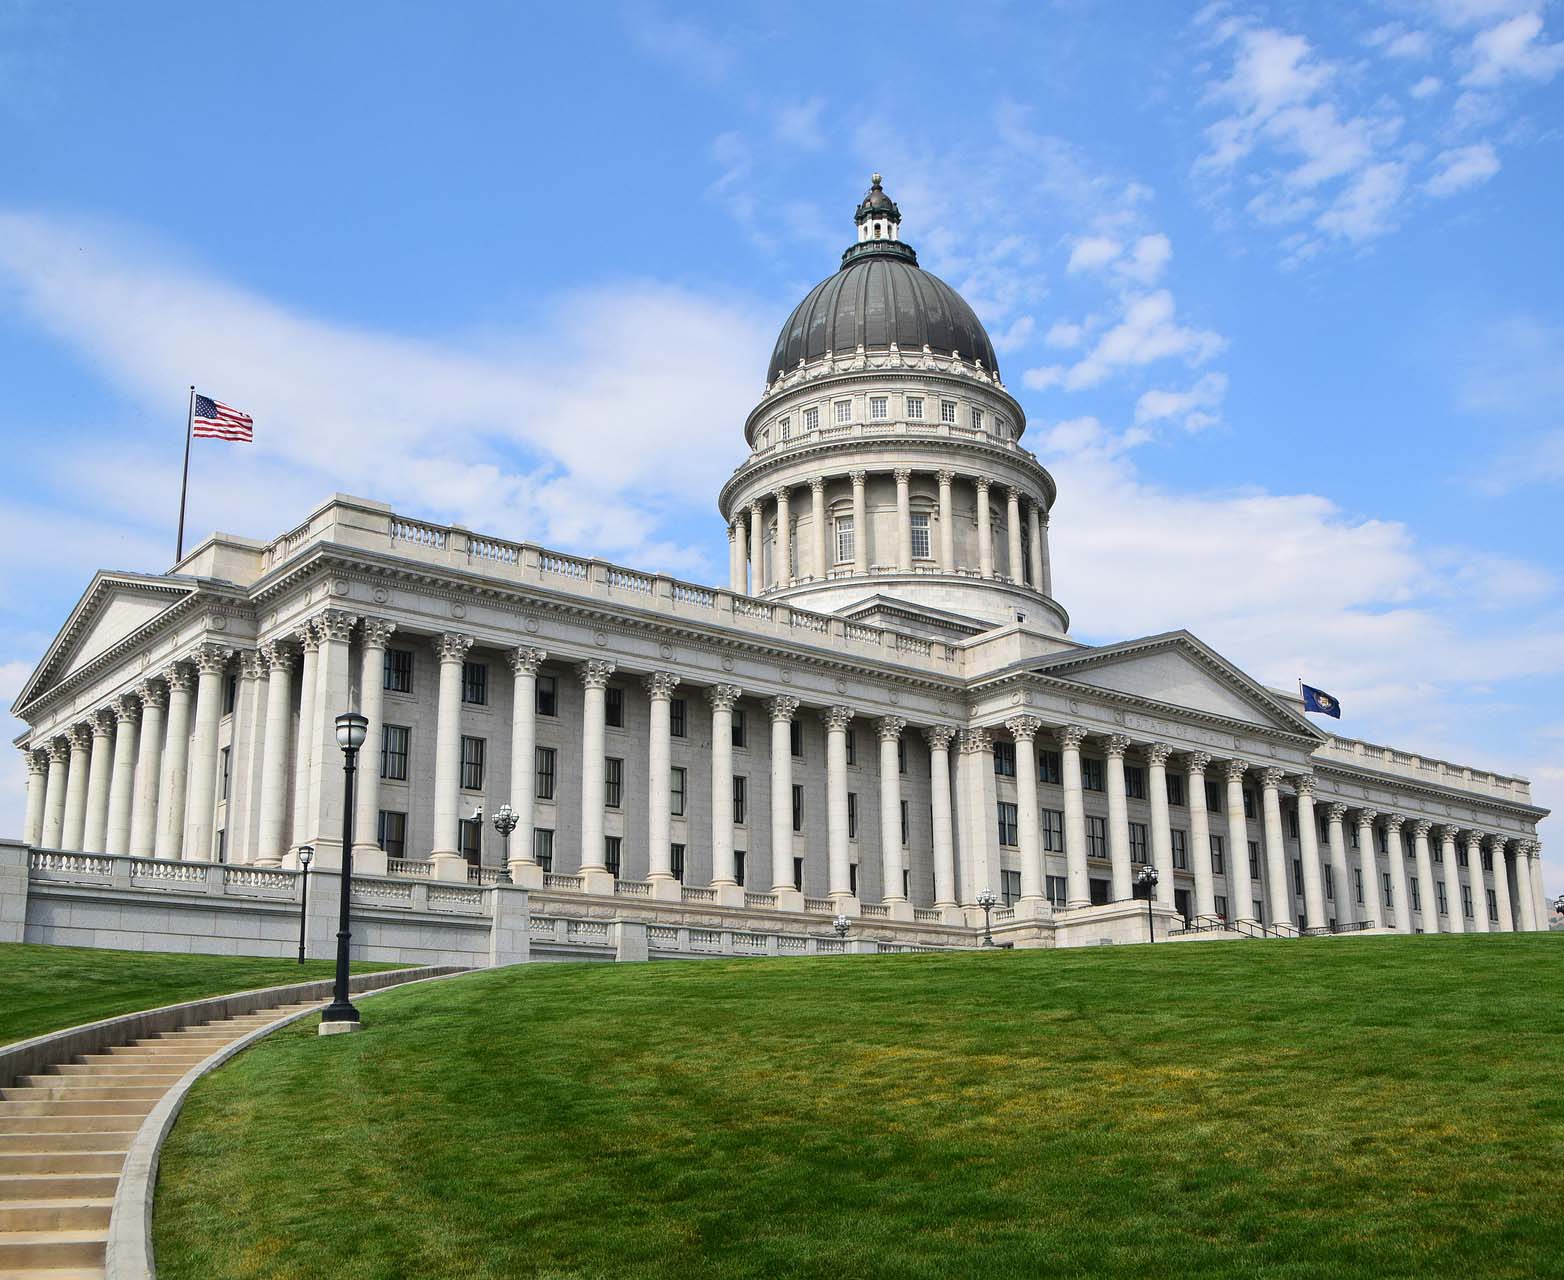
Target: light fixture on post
986 900
505 821
306 856
1146 886
841 924
340 1015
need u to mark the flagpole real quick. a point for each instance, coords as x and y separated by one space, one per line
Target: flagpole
184 483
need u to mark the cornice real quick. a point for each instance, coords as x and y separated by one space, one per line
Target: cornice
1412 786
968 381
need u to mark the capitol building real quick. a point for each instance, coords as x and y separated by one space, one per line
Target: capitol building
880 715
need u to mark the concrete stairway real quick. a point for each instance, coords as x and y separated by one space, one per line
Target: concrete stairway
63 1138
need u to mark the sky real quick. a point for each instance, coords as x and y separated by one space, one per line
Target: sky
1278 286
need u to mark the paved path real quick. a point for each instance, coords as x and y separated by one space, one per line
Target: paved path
64 1135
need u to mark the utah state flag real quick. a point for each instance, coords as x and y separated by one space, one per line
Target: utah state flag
1320 701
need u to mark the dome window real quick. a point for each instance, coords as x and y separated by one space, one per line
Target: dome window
811 420
977 418
844 539
915 408
879 408
920 535
785 429
844 411
947 411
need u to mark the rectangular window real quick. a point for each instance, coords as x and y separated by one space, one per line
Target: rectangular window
795 734
1010 887
394 739
1091 775
1493 905
844 540
1057 888
851 740
844 410
738 726
678 718
1005 759
1180 842
904 824
784 429
1357 886
1384 845
1140 843
1100 890
470 838
1175 789
798 876
947 411
1417 896
391 833
920 536
901 755
738 867
226 759
1297 876
1053 830
547 697
1216 855
547 761
740 785
852 878
977 418
398 671
1050 767
879 407
1134 782
230 694
472 764
1437 853
614 707
1330 882
798 810
1487 860
1220 903
1254 859
1354 835
222 844
1096 837
676 789
1248 803
1008 835
475 683
1385 894
852 815
613 846
1213 797
1466 901
1292 824
915 408
1460 855
676 856
613 781
811 419
1440 898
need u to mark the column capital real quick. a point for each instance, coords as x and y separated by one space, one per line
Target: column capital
938 736
252 664
1474 839
1421 827
1236 769
179 678
757 508
903 475
526 661
1394 822
1448 833
945 478
102 722
80 736
983 483
890 728
1116 745
858 478
594 672
211 659
1157 754
308 636
659 685
837 717
723 696
153 693
452 646
733 530
58 750
1042 514
1305 785
1197 762
126 707
1071 736
1335 811
1271 779
279 655
1013 493
377 631
37 761
335 624
782 707
817 484
1023 728
782 494
975 740
1367 817
1496 845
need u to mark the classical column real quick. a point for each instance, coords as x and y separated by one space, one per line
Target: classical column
1278 897
127 716
1200 834
594 797
250 731
1023 729
1341 873
723 872
1035 543
309 642
1047 586
860 523
782 709
947 522
1454 912
977 807
757 548
1078 886
838 857
1240 885
1400 894
449 864
1314 916
821 562
80 738
100 767
149 769
37 784
1161 826
659 688
1539 895
938 737
904 519
985 529
1523 887
1501 884
524 664
740 579
211 665
333 696
782 547
1425 875
1368 868
733 563
1017 565
890 728
1474 873
280 659
1118 819
53 835
368 856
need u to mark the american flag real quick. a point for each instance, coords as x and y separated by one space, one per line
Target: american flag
215 421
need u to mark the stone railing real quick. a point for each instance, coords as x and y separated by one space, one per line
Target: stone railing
632 889
568 884
408 867
1355 753
694 893
820 906
874 909
90 865
760 901
927 915
269 878
483 875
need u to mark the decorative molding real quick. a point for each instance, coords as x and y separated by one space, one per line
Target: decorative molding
126 707
252 666
1271 779
1196 763
80 737
938 737
526 661
377 632
452 646
890 728
660 684
1070 737
1157 754
1305 785
1335 813
179 678
975 740
783 708
1115 746
153 693
594 673
211 659
1236 769
102 722
279 655
1420 828
723 696
1024 728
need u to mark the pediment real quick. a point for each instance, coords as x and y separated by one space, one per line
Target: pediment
1178 670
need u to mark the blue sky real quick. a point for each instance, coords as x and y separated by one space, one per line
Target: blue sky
1278 287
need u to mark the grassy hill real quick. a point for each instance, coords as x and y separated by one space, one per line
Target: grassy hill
1363 1107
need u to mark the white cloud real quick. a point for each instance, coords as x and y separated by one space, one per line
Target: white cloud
1195 408
1397 41
799 124
1065 334
1367 208
1090 252
1147 260
1041 379
684 45
1511 49
1462 168
1427 87
1147 332
1015 335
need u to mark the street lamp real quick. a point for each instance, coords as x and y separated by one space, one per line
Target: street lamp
505 822
841 924
1146 884
986 900
306 856
340 1015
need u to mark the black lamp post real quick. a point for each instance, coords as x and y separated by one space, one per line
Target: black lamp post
306 856
1146 884
505 822
986 900
351 730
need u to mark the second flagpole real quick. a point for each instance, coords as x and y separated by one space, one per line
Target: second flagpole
184 483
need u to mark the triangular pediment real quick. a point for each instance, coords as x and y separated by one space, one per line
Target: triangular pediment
1178 670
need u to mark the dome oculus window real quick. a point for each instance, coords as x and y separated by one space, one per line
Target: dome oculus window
879 408
915 408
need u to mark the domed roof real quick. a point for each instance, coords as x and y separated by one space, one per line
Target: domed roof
880 296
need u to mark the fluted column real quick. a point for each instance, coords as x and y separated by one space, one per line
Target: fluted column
1474 874
757 548
1024 729
860 522
904 519
1046 586
1340 872
1501 884
782 710
1368 868
838 856
1400 893
100 766
980 831
447 856
270 833
333 696
250 731
1278 897
304 752
938 737
37 783
1454 912
890 730
739 532
76 788
722 697
1523 888
524 664
659 688
821 560
149 769
367 853
1539 895
127 717
53 834
594 683
947 522
1035 545
1314 916
1078 886
1425 875
1240 885
211 664
733 564
1161 826
1118 819
985 530
1200 833
782 548
1013 535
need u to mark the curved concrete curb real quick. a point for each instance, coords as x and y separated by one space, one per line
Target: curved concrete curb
130 1255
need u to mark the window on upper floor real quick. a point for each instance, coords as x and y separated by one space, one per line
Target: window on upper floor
1175 790
740 785
852 815
1134 782
394 740
1091 774
1180 842
677 790
738 726
845 550
1005 759
547 697
850 737
1008 820
678 717
795 733
947 411
392 835
398 671
1050 766
915 408
920 536
784 428
475 683
472 763
879 408
614 707
613 781
1096 837
547 761
1053 830
1140 844
811 419
543 847
844 410
977 418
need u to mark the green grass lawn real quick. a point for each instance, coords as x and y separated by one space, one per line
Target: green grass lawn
1344 1107
49 988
